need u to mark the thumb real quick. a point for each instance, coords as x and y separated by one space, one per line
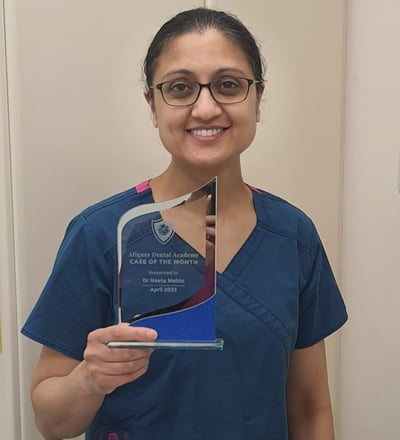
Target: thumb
144 334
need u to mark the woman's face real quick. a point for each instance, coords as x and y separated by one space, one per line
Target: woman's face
205 134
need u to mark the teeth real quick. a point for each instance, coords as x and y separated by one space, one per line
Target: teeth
205 133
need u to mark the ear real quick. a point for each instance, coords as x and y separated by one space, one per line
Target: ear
258 110
150 101
258 113
154 117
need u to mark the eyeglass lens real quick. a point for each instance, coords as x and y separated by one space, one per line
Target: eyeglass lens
224 90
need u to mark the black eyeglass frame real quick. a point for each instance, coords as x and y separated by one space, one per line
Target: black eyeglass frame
208 86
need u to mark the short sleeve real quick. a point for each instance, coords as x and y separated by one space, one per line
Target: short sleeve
78 296
321 307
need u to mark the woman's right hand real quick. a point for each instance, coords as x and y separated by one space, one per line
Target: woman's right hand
67 393
108 368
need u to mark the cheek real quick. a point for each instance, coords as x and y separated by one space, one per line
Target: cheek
250 124
251 117
251 133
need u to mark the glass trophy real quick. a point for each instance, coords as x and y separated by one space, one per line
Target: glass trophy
166 271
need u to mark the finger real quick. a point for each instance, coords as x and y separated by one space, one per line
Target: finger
210 231
122 379
98 351
123 332
127 367
103 381
210 220
114 368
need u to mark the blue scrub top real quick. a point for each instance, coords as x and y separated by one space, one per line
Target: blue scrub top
277 294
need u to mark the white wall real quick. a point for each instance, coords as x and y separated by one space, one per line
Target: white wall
80 129
370 357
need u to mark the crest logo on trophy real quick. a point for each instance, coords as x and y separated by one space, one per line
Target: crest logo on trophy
162 231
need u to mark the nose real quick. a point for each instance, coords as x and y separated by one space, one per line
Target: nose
206 107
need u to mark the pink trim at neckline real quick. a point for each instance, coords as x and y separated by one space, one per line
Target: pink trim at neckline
142 187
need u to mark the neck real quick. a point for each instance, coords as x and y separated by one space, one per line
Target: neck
232 193
174 181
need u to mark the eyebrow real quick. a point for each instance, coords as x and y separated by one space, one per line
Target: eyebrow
231 70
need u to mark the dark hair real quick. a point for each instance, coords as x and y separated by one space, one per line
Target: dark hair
201 19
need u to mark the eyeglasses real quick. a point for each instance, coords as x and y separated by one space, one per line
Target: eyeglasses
183 93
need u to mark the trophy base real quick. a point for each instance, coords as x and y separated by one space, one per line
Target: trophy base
217 344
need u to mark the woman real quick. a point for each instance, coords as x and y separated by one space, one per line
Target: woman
276 296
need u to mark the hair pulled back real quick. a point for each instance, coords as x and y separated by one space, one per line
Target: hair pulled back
199 20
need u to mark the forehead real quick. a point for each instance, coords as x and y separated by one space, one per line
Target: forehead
202 53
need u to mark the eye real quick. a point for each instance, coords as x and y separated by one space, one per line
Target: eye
229 86
178 88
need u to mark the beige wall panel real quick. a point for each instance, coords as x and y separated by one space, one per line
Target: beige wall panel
370 361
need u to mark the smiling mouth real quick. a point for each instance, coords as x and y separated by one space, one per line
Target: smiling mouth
203 132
